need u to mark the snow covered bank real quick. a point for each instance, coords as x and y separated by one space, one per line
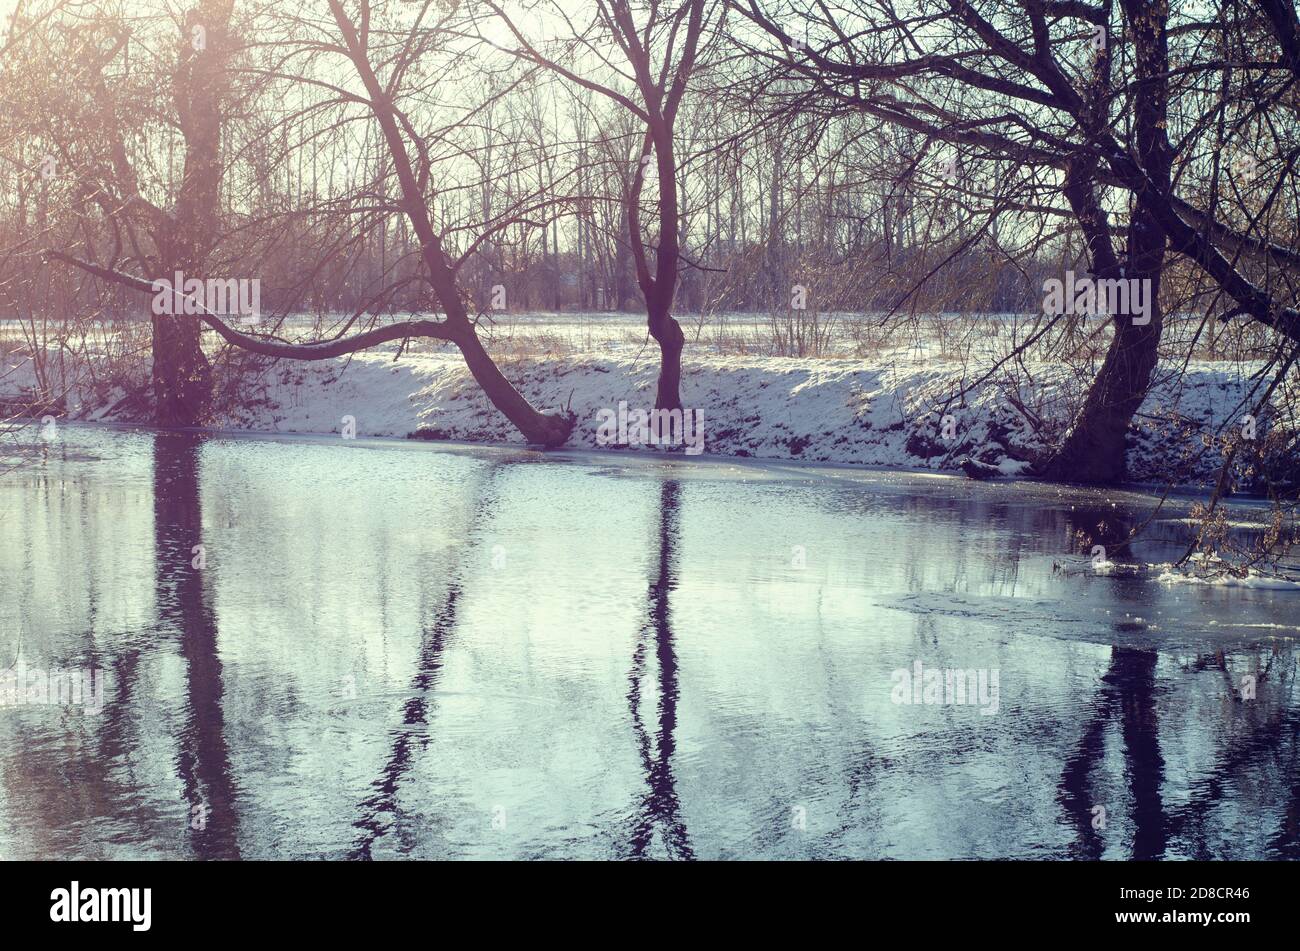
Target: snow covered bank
896 411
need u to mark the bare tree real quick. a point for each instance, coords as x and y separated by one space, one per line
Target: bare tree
409 159
88 136
659 43
1035 86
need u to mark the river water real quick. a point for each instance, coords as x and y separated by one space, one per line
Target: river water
312 647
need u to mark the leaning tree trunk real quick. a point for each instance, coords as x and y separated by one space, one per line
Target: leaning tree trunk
545 429
1095 447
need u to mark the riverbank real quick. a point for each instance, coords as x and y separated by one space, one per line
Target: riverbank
896 411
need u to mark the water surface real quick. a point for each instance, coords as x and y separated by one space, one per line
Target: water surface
391 649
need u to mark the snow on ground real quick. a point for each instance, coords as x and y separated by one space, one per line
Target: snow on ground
770 408
897 408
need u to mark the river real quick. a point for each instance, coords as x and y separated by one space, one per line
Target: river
328 648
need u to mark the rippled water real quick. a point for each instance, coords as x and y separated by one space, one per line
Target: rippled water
396 649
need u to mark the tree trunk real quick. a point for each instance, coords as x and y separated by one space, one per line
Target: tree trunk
182 376
1094 449
545 429
536 427
668 334
181 373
